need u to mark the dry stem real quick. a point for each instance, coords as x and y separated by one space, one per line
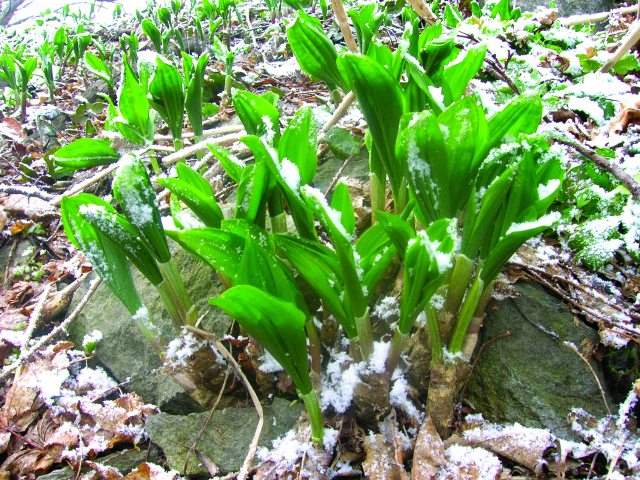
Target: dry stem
244 471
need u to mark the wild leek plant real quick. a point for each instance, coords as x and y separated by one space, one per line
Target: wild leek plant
167 94
46 52
84 153
9 74
193 84
100 69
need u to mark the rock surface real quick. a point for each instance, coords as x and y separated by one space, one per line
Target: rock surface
531 377
124 352
567 8
227 437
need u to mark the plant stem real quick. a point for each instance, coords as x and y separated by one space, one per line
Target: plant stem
401 201
170 305
466 313
395 350
315 416
378 196
314 345
365 336
23 104
458 283
433 325
277 216
151 332
177 145
178 292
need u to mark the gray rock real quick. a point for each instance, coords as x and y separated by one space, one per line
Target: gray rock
567 8
227 437
124 352
357 168
531 377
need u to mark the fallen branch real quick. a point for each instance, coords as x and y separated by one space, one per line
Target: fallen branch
615 170
571 346
246 466
206 133
25 356
204 426
632 37
200 147
423 10
343 23
596 17
26 191
82 185
33 321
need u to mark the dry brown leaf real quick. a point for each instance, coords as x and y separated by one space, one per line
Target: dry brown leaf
629 114
19 227
523 445
429 452
3 219
467 463
5 438
34 208
380 463
547 17
149 471
11 128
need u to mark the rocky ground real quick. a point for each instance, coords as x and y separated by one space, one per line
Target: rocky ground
553 388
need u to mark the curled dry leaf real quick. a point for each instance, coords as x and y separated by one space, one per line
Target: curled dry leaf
523 445
33 208
547 17
11 128
381 461
429 452
629 114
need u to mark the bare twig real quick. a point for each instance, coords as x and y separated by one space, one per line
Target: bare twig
571 346
206 133
423 10
339 174
337 115
7 268
473 365
200 147
33 321
244 471
632 37
25 356
206 422
596 17
343 23
615 170
82 185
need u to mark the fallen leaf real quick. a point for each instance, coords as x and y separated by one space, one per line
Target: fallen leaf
149 471
33 208
380 463
3 219
11 128
523 445
629 115
467 463
19 227
429 452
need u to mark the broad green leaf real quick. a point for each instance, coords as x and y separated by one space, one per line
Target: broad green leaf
98 67
133 105
259 117
133 191
456 77
104 218
193 100
422 152
299 144
341 202
521 115
399 231
107 259
253 191
342 143
231 164
167 93
381 101
467 132
435 55
220 249
85 153
319 267
275 324
314 51
198 197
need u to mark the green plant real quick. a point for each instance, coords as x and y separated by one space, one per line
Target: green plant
99 68
46 52
167 95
